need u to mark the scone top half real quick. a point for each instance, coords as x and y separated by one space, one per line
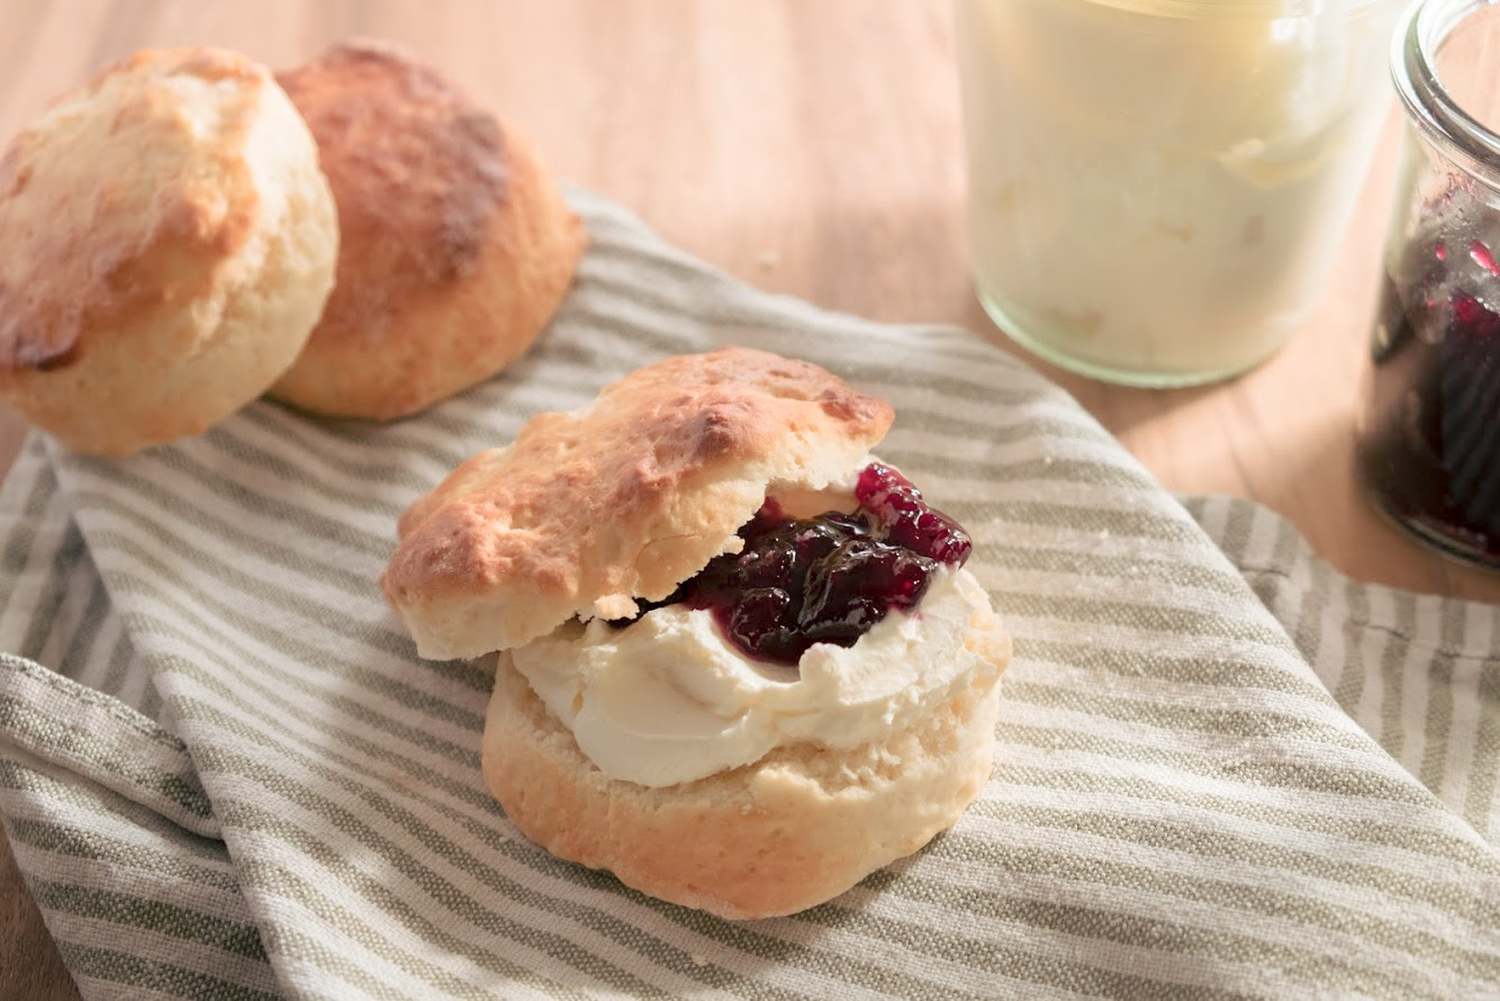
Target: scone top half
588 512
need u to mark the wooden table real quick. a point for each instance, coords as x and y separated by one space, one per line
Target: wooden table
812 149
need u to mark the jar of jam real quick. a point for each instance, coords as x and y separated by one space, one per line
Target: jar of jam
1428 439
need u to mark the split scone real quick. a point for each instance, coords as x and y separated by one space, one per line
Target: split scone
741 664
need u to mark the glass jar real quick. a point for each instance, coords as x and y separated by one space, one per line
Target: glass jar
1159 188
1428 437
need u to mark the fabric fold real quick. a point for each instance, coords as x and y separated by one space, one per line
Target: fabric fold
100 739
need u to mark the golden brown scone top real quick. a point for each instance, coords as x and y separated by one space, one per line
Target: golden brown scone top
624 499
79 256
418 171
457 246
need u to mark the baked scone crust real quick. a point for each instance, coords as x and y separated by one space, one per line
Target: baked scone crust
167 242
792 830
623 499
457 247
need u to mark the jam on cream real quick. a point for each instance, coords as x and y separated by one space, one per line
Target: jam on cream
829 578
832 629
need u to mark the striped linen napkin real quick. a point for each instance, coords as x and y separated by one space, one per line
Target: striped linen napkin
1222 769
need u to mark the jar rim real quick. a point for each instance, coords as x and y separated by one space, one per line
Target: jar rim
1423 29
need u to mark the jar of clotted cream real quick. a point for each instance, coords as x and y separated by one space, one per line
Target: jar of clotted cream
1158 188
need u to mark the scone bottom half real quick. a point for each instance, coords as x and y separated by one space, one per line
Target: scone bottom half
803 545
788 832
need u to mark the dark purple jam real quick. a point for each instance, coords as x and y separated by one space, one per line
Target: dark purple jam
827 579
1429 448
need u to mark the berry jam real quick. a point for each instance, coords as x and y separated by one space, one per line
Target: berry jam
827 579
1429 447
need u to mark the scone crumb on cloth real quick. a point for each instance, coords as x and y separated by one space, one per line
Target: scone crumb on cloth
1221 769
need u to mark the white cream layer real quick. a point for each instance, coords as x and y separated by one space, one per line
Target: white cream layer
667 700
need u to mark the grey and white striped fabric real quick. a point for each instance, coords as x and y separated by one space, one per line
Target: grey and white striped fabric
1222 769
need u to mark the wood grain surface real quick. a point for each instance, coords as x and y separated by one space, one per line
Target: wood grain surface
809 148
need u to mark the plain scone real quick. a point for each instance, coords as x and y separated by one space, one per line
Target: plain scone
589 511
167 242
457 247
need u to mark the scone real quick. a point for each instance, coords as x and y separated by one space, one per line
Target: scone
457 246
167 242
741 663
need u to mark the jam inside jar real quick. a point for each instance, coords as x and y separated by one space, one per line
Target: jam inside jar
1429 451
1428 445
